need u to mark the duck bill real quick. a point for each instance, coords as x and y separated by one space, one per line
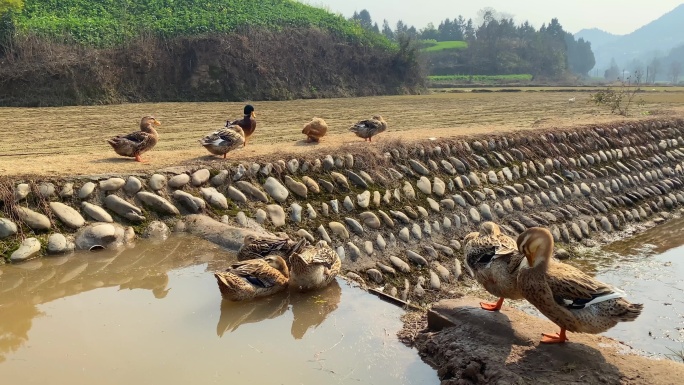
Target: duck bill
157 123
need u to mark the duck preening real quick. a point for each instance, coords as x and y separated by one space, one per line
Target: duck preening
313 267
571 299
254 278
494 260
315 130
367 129
259 247
136 143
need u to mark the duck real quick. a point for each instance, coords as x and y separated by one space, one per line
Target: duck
367 129
255 278
315 130
259 247
568 297
247 123
494 260
136 143
313 267
225 140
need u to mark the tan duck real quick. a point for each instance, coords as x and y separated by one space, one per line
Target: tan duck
136 143
313 267
571 299
254 278
223 141
367 129
247 123
259 247
315 130
494 260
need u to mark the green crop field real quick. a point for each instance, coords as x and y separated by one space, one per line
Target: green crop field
111 22
480 78
445 45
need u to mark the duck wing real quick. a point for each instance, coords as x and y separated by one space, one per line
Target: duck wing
226 137
575 289
257 272
367 128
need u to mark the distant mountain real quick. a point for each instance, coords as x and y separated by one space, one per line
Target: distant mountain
656 37
597 37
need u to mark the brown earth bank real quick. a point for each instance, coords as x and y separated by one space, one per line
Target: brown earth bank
72 140
468 345
588 185
254 64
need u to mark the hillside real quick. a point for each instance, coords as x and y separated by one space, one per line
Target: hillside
660 35
108 22
81 52
597 37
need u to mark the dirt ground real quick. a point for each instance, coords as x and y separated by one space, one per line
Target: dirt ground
71 140
468 345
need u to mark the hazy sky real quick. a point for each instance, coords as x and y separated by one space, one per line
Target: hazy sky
615 16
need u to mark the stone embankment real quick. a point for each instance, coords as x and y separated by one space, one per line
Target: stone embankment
395 215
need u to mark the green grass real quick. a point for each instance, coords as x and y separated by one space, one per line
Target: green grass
481 78
111 22
444 45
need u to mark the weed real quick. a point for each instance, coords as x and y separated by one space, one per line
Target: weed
619 99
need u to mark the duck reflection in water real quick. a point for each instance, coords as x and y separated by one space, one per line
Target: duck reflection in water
309 310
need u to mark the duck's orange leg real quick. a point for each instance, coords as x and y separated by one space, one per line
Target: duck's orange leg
138 159
492 306
557 338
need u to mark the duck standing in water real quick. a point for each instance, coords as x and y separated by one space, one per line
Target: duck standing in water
247 123
136 143
367 129
494 260
254 278
259 247
569 298
313 267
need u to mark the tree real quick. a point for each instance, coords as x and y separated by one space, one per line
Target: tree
612 73
580 56
10 5
653 70
636 66
429 32
7 7
675 71
387 30
364 19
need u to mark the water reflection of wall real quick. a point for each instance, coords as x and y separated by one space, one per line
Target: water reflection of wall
24 287
309 310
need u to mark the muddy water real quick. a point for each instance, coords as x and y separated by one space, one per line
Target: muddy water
153 314
650 268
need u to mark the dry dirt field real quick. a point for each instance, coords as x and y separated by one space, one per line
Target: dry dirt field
71 140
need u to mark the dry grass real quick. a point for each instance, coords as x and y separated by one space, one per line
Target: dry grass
71 140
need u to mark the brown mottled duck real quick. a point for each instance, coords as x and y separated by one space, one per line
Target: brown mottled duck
254 278
225 140
367 129
136 143
494 260
315 130
569 298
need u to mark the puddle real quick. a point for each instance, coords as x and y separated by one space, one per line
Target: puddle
153 314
